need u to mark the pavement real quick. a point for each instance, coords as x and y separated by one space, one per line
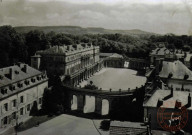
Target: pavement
67 125
116 78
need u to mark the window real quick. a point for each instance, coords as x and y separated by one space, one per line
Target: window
5 120
14 115
38 78
6 106
20 85
14 103
21 111
21 99
26 82
28 107
40 100
33 80
12 87
4 91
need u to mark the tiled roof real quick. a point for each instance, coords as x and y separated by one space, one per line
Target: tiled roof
160 51
17 72
112 55
177 68
160 94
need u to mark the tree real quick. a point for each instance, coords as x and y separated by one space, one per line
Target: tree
12 44
36 40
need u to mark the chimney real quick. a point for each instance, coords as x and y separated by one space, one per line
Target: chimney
11 74
159 102
69 47
189 100
178 104
24 69
171 91
157 65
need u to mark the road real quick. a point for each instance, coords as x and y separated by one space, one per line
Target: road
64 125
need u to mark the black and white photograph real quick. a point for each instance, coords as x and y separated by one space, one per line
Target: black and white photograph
95 67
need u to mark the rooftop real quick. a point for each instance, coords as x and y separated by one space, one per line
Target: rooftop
16 73
160 94
65 49
160 51
112 55
176 68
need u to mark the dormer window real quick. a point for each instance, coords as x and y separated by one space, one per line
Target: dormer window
33 80
12 87
38 78
186 76
4 91
16 72
44 76
26 82
19 85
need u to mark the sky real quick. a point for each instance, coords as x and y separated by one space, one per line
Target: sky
158 16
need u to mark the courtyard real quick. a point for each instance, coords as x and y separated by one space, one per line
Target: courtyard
67 125
115 79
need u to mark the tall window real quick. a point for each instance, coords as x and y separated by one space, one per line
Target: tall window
5 120
6 106
40 100
21 99
21 111
14 103
14 115
28 107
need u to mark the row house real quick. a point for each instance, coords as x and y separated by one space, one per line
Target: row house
21 89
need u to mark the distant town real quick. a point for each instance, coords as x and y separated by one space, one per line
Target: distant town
135 83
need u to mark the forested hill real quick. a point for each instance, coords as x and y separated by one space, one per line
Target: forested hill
76 30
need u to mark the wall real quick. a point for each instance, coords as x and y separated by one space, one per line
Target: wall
29 96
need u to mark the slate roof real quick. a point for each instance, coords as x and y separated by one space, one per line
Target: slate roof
18 74
177 68
112 55
65 49
160 51
160 94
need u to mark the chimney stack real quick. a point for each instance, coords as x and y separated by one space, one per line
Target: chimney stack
11 74
171 90
189 100
25 68
69 47
157 65
159 102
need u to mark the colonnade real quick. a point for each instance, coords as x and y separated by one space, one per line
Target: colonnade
85 74
81 101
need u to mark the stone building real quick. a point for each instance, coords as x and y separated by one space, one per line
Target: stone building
158 53
175 74
73 63
172 101
21 89
138 64
112 60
